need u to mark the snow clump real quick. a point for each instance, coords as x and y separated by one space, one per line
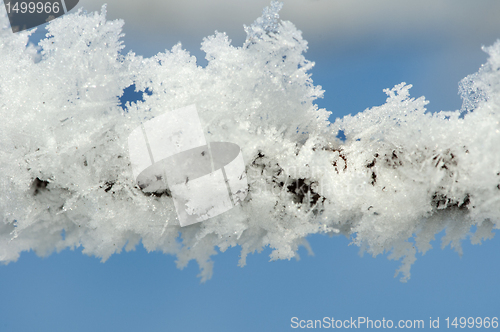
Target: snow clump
401 176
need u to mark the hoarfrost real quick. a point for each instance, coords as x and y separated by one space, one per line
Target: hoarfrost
401 176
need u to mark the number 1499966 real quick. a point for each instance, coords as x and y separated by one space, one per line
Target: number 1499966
33 7
472 322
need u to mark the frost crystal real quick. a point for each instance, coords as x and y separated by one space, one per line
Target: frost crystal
401 176
267 23
478 87
471 93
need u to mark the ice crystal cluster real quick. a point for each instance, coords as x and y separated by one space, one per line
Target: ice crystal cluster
401 175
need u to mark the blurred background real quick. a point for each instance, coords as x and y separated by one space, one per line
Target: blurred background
360 48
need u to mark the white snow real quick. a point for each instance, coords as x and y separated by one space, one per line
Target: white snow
401 176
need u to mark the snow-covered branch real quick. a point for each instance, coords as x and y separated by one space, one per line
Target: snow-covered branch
401 175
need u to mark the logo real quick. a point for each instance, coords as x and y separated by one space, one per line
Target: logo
170 153
25 15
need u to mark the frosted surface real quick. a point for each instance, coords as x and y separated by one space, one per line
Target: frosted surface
401 176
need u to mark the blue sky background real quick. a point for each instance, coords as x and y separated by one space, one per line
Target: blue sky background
134 291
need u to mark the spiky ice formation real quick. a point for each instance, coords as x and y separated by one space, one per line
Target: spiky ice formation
401 176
